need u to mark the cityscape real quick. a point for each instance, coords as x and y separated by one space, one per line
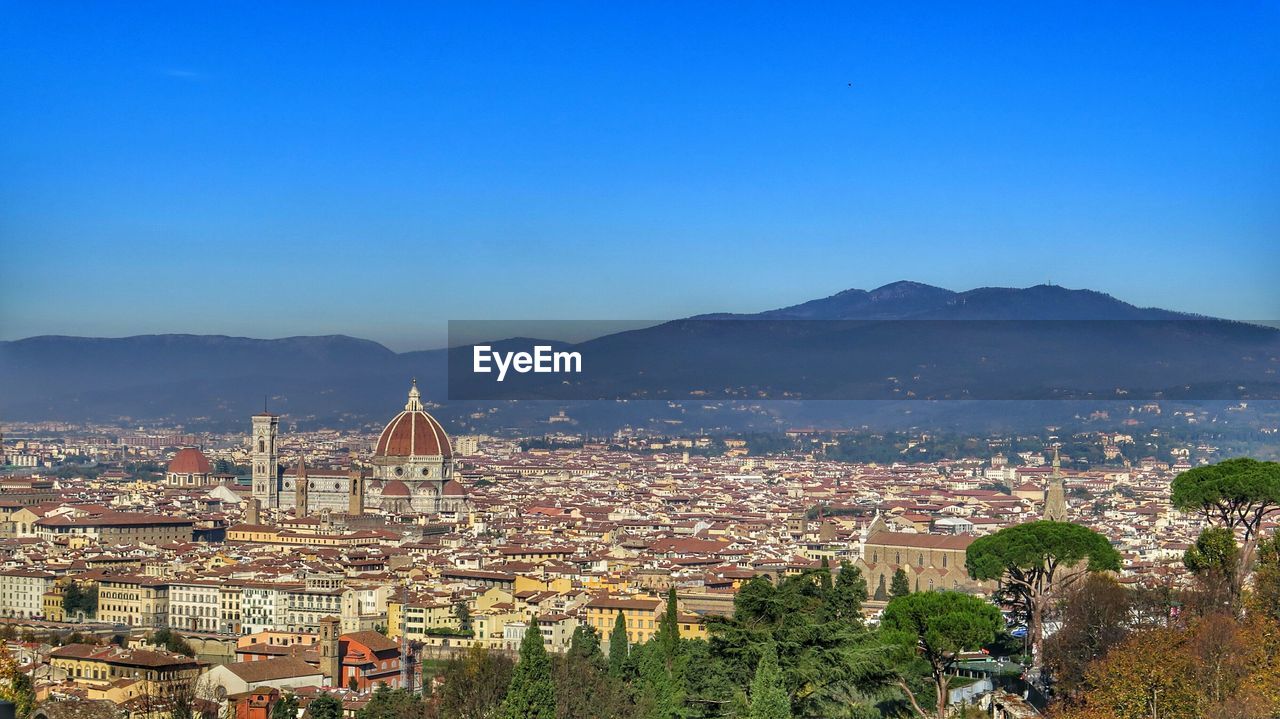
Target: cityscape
639 361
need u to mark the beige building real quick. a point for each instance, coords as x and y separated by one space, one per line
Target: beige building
111 528
22 592
931 561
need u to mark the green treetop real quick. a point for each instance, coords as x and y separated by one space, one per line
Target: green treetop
1029 561
324 706
937 627
532 693
769 698
900 586
619 647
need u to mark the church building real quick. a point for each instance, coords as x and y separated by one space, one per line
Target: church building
412 462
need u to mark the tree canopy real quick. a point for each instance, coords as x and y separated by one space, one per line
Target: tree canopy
1237 493
324 706
1029 561
939 626
16 686
388 703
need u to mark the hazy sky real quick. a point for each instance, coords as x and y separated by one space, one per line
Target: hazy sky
272 169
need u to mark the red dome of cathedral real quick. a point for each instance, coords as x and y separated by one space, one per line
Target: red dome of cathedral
453 488
190 460
395 488
413 433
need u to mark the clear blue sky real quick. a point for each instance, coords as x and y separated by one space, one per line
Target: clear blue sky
373 169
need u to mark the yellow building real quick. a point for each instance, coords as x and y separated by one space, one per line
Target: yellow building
52 601
641 616
125 675
692 626
419 617
133 600
527 583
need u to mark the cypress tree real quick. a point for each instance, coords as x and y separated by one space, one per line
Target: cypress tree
532 693
618 647
901 586
585 644
849 593
669 628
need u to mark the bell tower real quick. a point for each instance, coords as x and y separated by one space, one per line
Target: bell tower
330 661
355 503
266 463
300 488
1055 496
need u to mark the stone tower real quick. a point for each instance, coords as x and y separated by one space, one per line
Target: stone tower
251 511
1055 497
330 659
355 502
300 488
266 462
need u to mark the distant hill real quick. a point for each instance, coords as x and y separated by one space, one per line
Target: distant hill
340 379
907 300
182 377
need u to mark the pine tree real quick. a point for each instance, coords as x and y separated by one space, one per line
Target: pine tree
901 586
532 693
769 698
618 647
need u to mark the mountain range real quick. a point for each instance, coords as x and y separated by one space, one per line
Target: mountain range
343 380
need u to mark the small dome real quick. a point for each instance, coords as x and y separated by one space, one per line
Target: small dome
453 488
395 488
190 460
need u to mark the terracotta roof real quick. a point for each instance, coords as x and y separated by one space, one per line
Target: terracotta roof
266 670
395 488
190 460
413 433
920 541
